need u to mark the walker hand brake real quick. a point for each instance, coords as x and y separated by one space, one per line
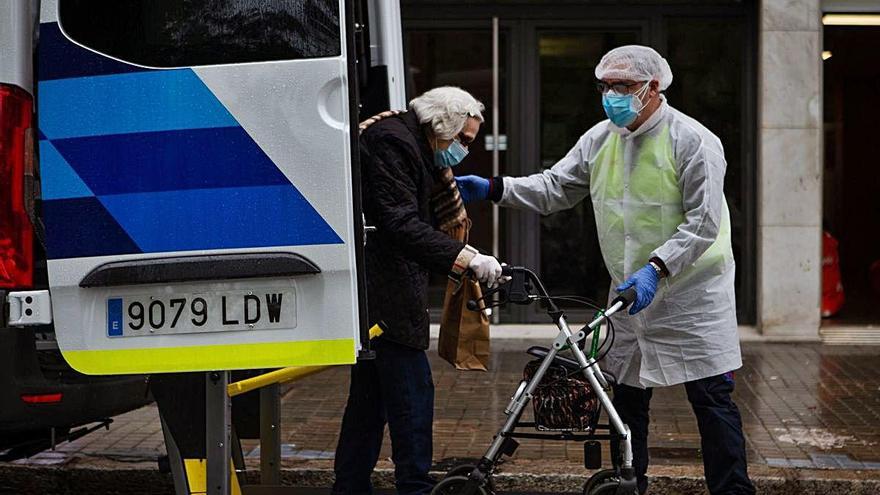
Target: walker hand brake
518 288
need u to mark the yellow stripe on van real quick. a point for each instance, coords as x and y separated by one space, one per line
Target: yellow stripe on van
212 357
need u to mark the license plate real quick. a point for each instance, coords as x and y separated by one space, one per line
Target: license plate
179 313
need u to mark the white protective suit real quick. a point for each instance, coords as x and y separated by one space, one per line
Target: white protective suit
656 191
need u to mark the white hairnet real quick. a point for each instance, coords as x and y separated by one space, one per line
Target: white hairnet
635 63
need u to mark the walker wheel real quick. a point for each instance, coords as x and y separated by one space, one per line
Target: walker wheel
454 486
606 488
603 476
465 470
461 470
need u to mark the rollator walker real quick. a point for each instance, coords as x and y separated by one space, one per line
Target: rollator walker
567 396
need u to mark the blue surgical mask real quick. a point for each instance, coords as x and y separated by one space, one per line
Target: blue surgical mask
623 109
451 156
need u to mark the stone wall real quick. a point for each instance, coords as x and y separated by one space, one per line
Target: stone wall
789 168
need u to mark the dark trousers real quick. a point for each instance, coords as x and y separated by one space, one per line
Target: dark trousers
721 436
396 388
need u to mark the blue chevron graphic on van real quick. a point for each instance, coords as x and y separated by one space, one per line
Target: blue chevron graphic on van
142 161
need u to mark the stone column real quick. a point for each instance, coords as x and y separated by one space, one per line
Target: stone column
790 168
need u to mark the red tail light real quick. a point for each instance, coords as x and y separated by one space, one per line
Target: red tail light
16 157
41 398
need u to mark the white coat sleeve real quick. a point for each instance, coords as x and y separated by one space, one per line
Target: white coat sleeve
557 188
701 180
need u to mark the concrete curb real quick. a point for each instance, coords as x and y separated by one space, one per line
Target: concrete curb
71 480
660 485
114 479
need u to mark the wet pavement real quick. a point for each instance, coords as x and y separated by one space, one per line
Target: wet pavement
804 406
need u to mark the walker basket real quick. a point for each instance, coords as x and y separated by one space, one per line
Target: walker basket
563 401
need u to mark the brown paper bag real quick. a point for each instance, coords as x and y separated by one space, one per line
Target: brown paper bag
464 334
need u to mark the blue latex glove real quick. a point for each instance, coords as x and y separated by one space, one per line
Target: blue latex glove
645 282
472 188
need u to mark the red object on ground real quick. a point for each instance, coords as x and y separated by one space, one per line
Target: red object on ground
832 287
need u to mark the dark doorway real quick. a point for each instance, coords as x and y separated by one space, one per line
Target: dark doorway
567 103
852 166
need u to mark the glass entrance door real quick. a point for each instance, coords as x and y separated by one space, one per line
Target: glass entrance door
568 106
547 99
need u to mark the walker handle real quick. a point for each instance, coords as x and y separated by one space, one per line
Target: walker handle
625 299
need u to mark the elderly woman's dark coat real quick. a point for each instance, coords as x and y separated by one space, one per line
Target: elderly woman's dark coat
397 168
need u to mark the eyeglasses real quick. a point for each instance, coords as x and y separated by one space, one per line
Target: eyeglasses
464 139
621 88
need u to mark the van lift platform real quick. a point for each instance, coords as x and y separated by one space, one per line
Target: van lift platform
210 461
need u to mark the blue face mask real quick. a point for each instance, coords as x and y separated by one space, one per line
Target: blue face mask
451 156
623 109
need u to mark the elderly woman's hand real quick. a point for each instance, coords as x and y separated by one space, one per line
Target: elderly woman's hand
486 269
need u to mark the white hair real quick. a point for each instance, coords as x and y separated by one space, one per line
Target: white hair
446 109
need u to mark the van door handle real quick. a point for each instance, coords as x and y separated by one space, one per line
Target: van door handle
177 269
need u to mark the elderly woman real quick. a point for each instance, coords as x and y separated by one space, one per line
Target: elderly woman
401 154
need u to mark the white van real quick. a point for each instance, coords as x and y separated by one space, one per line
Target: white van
179 185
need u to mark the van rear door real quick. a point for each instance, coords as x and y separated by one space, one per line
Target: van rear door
199 190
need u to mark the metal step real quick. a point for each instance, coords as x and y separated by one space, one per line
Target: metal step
850 335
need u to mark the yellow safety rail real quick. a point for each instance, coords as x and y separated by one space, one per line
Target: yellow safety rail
197 477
